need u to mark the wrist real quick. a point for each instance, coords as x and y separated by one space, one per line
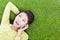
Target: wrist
18 12
19 33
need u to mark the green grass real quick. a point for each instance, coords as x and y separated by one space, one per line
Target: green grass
46 25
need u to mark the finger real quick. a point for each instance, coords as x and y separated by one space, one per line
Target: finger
25 27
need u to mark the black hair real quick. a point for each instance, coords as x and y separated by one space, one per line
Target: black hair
29 14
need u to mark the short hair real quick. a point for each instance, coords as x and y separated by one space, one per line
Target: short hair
29 15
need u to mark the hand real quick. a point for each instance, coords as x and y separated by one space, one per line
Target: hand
22 29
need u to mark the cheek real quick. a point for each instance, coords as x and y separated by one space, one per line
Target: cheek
26 21
21 22
17 18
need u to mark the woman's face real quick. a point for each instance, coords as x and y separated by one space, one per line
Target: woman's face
20 20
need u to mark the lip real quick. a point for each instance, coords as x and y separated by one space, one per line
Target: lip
16 22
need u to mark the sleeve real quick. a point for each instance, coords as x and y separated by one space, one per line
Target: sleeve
17 38
24 36
5 18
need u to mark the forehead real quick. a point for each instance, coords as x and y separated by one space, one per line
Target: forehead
23 15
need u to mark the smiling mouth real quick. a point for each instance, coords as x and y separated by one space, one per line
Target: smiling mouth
17 23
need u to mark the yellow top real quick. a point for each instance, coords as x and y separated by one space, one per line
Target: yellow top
6 33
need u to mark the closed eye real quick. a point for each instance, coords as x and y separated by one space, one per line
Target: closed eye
23 20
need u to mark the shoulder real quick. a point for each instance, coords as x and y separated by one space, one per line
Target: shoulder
24 35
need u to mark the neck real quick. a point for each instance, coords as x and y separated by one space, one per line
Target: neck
14 28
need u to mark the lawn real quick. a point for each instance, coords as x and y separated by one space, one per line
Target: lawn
46 25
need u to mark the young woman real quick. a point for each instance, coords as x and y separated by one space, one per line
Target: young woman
15 31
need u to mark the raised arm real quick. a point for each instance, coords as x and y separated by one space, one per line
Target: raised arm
9 7
13 8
